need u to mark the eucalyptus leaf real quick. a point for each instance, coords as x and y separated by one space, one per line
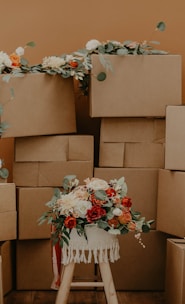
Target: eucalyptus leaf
161 26
101 76
100 195
1 109
4 173
122 52
6 77
31 44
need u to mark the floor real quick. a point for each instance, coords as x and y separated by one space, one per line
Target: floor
84 297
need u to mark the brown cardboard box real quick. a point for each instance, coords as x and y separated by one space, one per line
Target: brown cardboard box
31 205
54 148
132 142
42 105
132 155
141 268
8 225
142 187
34 266
49 174
7 197
138 86
175 135
132 129
175 272
171 202
6 253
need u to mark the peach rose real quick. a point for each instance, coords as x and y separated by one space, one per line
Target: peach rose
125 218
15 60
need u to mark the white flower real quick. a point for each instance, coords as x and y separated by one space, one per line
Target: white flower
20 51
69 58
96 184
117 212
53 62
81 208
92 44
66 203
5 60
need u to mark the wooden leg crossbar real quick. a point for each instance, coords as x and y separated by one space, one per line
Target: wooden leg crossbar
66 283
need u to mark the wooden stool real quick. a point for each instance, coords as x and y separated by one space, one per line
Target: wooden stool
1 282
66 283
101 246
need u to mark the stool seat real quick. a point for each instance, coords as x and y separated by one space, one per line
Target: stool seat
99 246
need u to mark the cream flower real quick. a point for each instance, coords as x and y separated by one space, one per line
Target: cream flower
66 203
81 208
117 212
19 51
96 184
5 60
92 44
53 62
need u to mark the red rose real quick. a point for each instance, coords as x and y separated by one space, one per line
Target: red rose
110 192
95 213
70 222
126 202
73 64
113 222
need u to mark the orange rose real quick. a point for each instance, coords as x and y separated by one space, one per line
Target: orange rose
113 222
70 222
15 60
125 218
126 202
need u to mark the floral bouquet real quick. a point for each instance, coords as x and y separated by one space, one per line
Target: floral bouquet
98 202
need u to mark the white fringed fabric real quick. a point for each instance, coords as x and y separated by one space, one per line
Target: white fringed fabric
100 245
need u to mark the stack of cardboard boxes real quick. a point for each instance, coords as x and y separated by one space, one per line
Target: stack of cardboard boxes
42 119
171 203
133 142
132 105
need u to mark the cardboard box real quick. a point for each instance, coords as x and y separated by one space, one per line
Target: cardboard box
7 154
175 272
8 225
141 268
31 205
132 130
49 174
132 155
175 138
54 148
6 254
7 197
35 256
142 187
171 202
138 86
132 142
42 105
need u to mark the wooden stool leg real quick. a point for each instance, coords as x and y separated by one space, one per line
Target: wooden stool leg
109 287
66 279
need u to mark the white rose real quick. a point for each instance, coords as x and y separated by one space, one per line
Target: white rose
5 60
53 62
19 51
92 44
96 184
81 208
117 212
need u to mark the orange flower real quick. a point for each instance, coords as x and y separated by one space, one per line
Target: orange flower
70 222
126 202
73 64
132 226
125 218
15 60
110 192
113 222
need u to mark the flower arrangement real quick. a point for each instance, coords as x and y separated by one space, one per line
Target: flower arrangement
99 202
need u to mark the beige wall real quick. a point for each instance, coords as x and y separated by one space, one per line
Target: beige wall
64 26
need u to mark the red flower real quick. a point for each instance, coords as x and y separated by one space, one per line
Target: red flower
126 202
110 192
70 222
95 213
73 64
113 222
